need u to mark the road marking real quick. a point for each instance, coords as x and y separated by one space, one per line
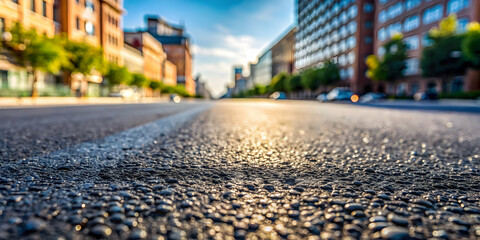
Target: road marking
106 152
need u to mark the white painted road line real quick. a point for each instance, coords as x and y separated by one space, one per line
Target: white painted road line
107 152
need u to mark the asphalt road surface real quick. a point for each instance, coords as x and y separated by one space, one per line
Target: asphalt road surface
239 170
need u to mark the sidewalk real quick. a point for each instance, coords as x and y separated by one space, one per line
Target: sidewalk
456 105
6 102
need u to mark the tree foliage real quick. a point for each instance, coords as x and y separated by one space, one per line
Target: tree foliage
443 58
471 45
34 52
117 75
139 80
279 82
294 83
83 58
393 63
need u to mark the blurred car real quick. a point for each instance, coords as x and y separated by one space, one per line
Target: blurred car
278 95
175 98
429 95
339 94
372 97
125 93
322 97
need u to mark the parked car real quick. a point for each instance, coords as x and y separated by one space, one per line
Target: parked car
278 96
339 94
372 97
175 98
428 95
322 97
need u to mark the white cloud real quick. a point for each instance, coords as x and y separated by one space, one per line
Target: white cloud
215 64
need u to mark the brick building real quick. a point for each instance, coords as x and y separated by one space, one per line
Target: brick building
177 46
152 51
169 73
414 19
338 30
36 14
283 53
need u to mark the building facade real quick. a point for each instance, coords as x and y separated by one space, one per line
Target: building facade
414 19
336 30
283 53
111 30
177 47
34 14
261 72
152 51
133 59
169 73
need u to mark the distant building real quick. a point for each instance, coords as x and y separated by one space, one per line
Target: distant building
111 29
283 53
133 59
177 46
201 88
415 18
153 54
262 70
169 73
337 30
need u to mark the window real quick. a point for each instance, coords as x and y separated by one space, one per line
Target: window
395 10
454 6
15 1
368 8
433 14
381 51
2 25
368 24
382 34
462 25
351 58
412 67
426 41
353 11
382 16
412 42
352 27
411 23
89 4
394 28
32 5
44 8
368 40
383 1
78 23
351 42
89 28
410 4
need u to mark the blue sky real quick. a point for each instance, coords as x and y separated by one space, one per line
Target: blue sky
223 32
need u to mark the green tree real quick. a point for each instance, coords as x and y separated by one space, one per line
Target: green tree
310 79
279 82
329 74
154 85
294 83
37 53
443 58
471 45
139 80
117 75
83 58
391 67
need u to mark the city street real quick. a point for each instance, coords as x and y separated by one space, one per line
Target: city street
236 169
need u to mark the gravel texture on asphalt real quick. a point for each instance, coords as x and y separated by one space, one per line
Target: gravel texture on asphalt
264 170
39 130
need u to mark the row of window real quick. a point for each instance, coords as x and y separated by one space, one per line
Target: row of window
315 7
327 20
113 40
113 20
88 4
453 6
88 26
329 50
411 23
323 35
33 7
